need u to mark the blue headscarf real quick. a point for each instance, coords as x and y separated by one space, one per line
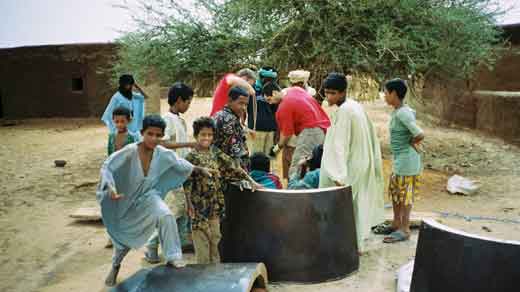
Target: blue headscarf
264 72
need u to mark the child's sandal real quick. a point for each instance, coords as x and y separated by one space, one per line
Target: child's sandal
396 236
383 229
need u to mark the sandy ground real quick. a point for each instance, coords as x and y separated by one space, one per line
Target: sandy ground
42 249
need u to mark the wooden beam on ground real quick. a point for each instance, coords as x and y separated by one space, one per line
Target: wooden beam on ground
87 213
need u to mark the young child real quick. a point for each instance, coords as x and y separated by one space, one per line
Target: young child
204 195
121 117
131 193
405 135
175 138
309 174
180 96
261 171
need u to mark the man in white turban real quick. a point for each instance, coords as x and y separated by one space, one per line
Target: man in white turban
301 78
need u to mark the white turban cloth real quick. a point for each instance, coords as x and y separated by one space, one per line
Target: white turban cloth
299 76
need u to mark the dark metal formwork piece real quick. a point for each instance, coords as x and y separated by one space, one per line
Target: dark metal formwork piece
450 260
235 277
304 236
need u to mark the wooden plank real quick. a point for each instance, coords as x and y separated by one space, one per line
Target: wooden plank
87 214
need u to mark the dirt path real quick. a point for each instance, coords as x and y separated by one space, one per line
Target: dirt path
41 249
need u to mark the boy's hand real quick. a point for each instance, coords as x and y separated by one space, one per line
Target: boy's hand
276 98
416 143
417 147
252 133
274 150
256 186
251 90
115 196
303 161
190 210
207 171
113 193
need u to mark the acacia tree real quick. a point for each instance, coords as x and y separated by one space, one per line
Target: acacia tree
382 38
179 45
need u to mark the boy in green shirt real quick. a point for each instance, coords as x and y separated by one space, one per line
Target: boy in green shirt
121 117
405 136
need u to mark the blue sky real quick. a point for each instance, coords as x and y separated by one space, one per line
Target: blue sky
40 22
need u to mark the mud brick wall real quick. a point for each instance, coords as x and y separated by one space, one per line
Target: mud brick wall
45 81
492 112
489 102
504 76
498 114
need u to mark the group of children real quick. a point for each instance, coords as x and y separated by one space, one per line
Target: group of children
149 195
197 193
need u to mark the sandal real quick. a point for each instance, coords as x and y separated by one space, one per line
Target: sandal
396 236
383 229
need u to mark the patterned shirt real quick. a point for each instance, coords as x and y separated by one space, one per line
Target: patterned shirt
205 193
231 137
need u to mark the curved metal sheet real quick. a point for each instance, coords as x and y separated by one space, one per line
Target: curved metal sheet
450 260
197 278
301 236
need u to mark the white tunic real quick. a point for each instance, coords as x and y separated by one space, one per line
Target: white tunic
352 157
176 132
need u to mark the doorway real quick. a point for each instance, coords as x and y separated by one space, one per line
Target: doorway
1 106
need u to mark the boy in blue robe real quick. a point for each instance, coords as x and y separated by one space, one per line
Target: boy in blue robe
131 193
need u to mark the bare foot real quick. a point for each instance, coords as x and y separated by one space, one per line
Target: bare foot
109 243
110 281
176 264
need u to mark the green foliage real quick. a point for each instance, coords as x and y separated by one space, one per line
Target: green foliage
382 38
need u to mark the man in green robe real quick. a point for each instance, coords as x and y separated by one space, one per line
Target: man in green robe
352 157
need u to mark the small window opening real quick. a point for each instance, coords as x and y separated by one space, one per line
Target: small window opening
77 84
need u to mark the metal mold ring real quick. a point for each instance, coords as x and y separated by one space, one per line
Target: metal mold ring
304 236
450 260
198 278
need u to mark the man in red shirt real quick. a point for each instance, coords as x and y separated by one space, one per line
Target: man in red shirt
300 114
244 78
